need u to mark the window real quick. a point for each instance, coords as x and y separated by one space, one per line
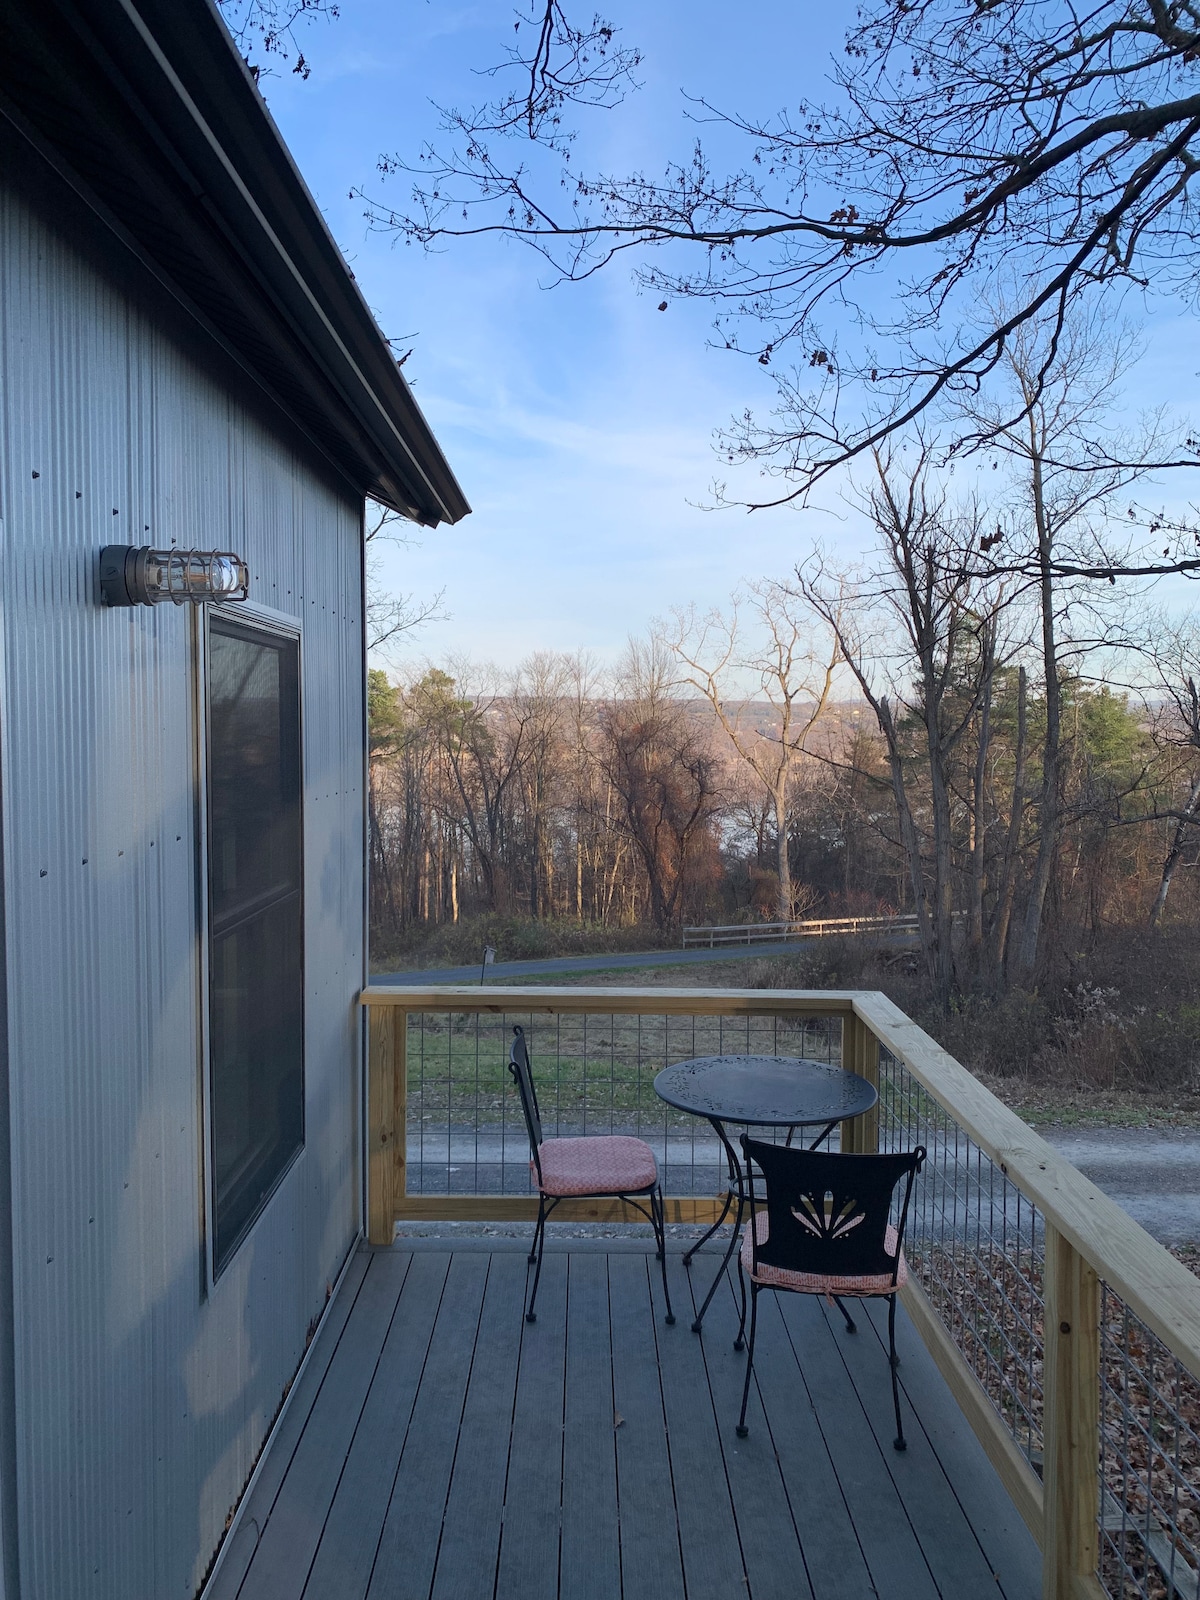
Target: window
256 1035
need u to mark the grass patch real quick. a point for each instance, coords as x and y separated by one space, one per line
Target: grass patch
592 1071
460 944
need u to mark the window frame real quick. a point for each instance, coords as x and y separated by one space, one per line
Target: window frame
278 625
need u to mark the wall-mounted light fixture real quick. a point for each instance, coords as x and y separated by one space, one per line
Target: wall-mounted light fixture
144 577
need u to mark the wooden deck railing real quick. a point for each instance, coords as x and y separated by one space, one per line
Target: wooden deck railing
1081 1239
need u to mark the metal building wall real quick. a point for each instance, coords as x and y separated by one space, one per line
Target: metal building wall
141 1397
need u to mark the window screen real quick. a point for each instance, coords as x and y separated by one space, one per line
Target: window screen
256 1036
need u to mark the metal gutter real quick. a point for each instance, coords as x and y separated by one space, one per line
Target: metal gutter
149 107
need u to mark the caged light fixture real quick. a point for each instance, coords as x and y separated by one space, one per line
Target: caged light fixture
130 576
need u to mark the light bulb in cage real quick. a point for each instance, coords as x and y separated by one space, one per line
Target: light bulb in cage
130 576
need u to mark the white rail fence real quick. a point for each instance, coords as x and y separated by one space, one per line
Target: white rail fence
709 938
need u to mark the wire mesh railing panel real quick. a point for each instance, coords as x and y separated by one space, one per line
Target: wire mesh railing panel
977 1245
1149 1462
594 1075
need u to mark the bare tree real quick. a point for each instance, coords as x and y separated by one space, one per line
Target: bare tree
664 775
270 25
782 663
391 617
1051 420
966 145
1176 655
536 706
920 635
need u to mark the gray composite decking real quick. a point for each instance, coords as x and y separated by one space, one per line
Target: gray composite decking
439 1448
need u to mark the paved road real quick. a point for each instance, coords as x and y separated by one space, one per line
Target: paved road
614 962
1153 1173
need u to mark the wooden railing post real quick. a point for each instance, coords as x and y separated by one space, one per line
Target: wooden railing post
386 1029
860 1053
1071 1422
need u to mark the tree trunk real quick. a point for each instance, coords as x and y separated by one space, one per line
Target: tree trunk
978 820
781 846
578 871
1186 821
911 844
1008 884
943 887
1049 809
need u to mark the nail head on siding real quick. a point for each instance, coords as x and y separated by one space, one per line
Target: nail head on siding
37 474
42 873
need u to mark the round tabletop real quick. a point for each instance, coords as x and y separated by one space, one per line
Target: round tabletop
771 1091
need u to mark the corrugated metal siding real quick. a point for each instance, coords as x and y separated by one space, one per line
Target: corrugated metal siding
142 1399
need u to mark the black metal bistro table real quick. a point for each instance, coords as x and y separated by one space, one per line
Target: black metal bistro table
758 1091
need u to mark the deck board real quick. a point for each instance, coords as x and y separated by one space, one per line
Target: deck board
1012 1556
471 1531
591 1541
260 1500
408 1546
774 1564
889 1544
529 1548
350 1539
651 1565
948 1542
833 1556
708 1537
442 1447
287 1544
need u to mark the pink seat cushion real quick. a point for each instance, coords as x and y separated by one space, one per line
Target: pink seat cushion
613 1164
817 1282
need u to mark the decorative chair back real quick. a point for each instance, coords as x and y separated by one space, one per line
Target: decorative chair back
828 1213
518 1065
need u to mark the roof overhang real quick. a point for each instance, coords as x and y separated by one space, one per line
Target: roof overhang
146 109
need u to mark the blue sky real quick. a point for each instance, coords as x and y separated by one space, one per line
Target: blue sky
579 419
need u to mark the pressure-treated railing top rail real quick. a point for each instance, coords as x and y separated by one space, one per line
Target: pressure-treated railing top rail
1088 1239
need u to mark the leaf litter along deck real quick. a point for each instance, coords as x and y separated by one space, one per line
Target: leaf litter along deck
1149 1455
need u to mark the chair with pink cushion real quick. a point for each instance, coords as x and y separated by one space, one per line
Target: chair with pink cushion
599 1167
828 1224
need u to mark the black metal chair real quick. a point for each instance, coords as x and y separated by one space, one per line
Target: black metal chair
598 1167
825 1228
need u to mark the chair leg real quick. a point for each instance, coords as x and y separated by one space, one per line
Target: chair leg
658 1209
850 1324
541 1218
539 1246
742 1429
899 1442
740 1342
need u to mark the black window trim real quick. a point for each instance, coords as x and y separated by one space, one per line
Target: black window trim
253 619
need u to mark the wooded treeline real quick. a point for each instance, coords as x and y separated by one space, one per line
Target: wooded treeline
553 795
987 721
